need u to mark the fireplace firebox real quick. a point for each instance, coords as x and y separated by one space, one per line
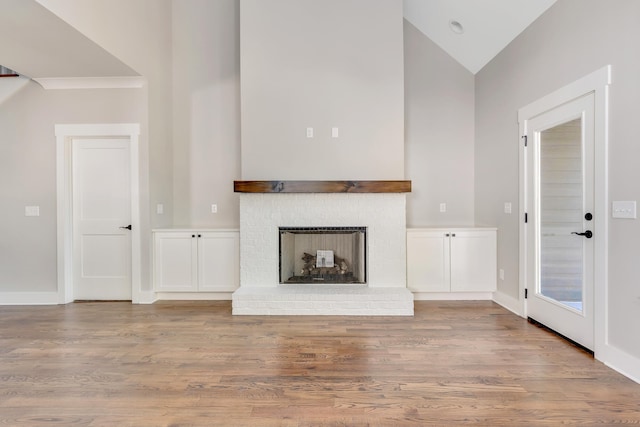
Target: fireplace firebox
332 255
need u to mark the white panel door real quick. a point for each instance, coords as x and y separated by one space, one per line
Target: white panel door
218 261
101 211
561 227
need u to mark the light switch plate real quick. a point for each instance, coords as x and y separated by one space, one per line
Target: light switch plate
443 207
160 209
334 133
32 211
507 207
623 209
214 208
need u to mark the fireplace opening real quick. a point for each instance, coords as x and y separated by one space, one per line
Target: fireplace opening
323 255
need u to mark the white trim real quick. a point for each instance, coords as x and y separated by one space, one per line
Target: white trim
587 84
64 136
57 83
520 307
193 296
598 83
147 297
452 296
512 304
622 362
29 298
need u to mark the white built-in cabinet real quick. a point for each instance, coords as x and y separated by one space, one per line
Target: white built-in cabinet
196 260
451 259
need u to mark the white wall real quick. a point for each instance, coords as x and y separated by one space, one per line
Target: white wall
322 64
439 134
28 174
139 34
206 97
572 39
206 111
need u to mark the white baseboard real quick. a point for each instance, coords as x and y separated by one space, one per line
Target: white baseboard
29 298
193 296
146 297
512 304
620 361
452 296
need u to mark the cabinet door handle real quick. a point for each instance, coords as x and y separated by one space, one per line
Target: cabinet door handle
199 236
446 235
453 235
193 235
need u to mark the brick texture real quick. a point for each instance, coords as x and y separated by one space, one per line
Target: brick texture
384 216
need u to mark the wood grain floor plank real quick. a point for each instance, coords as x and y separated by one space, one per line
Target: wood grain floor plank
194 364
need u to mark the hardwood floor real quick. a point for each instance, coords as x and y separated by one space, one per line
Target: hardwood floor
194 364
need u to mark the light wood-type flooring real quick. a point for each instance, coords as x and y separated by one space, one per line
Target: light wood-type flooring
194 364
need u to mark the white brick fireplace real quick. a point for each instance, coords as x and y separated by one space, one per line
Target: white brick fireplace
385 292
291 100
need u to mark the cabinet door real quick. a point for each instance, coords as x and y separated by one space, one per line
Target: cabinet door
175 261
473 261
428 261
218 261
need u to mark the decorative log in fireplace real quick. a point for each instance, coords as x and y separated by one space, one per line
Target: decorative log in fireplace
322 186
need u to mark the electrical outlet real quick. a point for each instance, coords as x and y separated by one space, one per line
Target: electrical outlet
443 207
214 208
507 207
160 209
501 274
309 132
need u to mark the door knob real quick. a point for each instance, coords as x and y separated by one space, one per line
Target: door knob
588 234
128 227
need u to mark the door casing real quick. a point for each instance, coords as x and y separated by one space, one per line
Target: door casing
65 133
597 83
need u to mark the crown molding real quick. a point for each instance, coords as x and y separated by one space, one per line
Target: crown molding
53 83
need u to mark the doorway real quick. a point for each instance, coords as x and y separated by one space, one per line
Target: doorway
97 191
564 208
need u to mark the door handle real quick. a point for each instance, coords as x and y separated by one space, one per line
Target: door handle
588 234
128 227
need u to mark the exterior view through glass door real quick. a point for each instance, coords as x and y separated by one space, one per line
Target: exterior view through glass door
561 230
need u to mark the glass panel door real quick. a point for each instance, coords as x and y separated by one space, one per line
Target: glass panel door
561 214
560 228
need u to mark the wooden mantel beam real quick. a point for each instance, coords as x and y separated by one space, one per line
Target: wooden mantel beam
322 186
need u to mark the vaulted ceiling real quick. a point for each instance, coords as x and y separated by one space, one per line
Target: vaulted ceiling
483 29
36 43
